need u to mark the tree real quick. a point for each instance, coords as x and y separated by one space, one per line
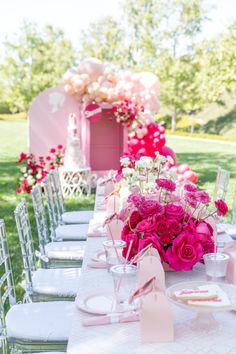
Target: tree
162 38
34 61
104 40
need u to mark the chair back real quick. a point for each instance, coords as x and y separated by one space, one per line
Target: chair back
233 216
58 190
222 182
40 217
51 205
26 243
7 291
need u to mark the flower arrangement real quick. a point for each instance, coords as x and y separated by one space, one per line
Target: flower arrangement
127 112
35 170
176 219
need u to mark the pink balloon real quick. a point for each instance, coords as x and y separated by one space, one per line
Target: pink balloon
182 168
167 151
190 176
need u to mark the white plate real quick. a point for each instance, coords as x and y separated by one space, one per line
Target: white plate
99 303
99 256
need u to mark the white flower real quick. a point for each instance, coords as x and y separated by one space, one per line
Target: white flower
30 171
161 158
25 175
39 176
125 161
144 162
150 185
126 171
151 177
23 169
30 180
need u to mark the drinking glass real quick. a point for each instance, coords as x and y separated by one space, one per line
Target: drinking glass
113 252
216 266
125 282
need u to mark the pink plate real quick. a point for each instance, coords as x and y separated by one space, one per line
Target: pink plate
98 303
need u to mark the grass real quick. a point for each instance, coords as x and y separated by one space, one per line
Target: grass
204 157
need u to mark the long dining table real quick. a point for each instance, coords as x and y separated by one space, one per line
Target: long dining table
125 338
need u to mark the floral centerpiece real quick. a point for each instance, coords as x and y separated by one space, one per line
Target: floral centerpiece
177 219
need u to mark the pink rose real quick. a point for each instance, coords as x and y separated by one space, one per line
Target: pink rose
161 225
149 208
166 238
185 251
205 232
174 226
134 218
221 207
166 184
174 211
145 225
154 240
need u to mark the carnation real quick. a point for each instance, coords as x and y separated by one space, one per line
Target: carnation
167 184
221 207
190 187
149 208
136 199
203 197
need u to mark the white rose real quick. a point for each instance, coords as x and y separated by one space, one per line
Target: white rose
23 169
30 171
125 161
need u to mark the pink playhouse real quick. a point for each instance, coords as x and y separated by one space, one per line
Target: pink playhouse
102 139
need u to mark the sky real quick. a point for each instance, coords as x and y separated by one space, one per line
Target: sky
75 15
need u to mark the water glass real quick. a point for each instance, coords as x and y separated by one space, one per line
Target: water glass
125 282
113 252
216 266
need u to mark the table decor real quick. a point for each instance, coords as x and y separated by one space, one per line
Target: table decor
176 218
216 266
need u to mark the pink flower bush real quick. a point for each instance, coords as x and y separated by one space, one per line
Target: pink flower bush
35 170
179 231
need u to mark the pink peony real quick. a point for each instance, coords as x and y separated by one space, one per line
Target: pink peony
150 207
203 197
167 184
190 187
174 211
185 251
221 206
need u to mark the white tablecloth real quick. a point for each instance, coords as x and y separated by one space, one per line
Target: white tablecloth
125 338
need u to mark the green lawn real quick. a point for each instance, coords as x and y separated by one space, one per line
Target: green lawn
204 157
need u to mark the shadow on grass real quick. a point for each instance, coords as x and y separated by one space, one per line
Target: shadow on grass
217 126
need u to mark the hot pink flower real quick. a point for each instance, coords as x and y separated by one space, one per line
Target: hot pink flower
191 199
190 187
221 206
185 251
60 147
53 151
166 238
22 157
203 197
145 225
166 184
134 219
205 232
136 199
174 211
174 226
150 207
134 249
154 240
161 225
48 158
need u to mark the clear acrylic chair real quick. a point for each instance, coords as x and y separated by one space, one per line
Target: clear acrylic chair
70 217
59 232
28 327
42 284
56 254
233 215
222 182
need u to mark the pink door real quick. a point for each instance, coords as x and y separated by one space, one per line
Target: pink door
107 143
